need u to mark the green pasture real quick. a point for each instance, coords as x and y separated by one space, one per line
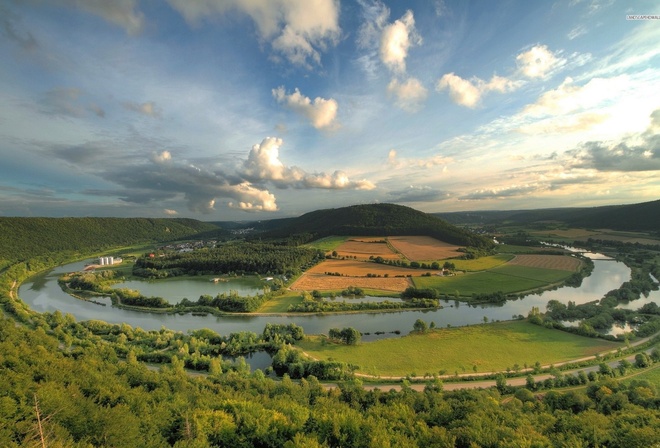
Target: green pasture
328 243
482 263
508 279
280 304
489 347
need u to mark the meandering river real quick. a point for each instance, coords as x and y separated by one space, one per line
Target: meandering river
43 294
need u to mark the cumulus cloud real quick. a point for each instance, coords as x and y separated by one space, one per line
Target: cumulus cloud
538 62
169 211
396 40
296 29
263 164
321 112
150 109
410 94
468 93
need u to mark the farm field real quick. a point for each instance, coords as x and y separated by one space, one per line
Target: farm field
560 262
482 263
508 279
490 347
423 248
353 268
363 248
310 282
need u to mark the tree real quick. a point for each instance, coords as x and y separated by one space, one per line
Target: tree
351 336
420 326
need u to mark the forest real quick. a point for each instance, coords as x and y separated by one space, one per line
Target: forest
237 258
82 384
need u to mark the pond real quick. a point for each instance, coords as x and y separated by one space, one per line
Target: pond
175 289
43 294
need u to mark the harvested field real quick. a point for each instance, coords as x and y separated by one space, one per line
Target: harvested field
559 262
363 248
310 282
354 268
423 248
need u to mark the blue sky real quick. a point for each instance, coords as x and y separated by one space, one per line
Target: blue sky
259 109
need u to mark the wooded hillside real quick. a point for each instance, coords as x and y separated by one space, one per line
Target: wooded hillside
373 220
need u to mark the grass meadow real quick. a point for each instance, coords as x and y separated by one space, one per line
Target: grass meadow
489 347
508 279
482 263
329 243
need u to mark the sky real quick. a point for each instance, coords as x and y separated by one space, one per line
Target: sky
258 109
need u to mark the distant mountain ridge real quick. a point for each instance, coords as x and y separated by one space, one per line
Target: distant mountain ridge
371 220
644 216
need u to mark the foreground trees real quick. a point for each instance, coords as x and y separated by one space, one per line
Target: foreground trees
84 394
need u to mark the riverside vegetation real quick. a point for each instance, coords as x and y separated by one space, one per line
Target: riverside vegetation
68 383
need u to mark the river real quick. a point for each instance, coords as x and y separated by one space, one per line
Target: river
43 294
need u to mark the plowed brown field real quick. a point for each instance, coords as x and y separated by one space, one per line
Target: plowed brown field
423 248
560 262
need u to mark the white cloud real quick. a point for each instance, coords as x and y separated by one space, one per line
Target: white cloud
538 62
251 199
263 164
321 112
468 93
410 94
570 97
298 29
169 211
396 40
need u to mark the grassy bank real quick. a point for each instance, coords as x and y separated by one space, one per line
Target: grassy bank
492 347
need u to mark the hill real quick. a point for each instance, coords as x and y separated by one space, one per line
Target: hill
635 217
25 238
372 219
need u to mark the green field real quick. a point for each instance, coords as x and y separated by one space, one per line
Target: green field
482 263
508 279
328 243
281 304
491 347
